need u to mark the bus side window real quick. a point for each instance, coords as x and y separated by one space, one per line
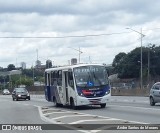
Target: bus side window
52 77
55 75
45 78
48 79
59 78
70 79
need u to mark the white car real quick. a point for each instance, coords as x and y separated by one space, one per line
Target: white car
6 92
155 94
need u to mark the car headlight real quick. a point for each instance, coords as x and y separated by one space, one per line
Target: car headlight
19 95
28 94
107 92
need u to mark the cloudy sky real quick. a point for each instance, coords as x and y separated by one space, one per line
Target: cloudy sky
98 27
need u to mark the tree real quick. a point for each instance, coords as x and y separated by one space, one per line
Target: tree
129 65
118 58
11 67
24 81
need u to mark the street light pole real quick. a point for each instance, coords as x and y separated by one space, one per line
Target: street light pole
148 63
141 61
142 35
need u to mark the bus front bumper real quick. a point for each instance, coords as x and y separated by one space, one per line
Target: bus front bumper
92 101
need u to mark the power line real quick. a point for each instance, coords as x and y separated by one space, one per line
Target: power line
89 35
78 36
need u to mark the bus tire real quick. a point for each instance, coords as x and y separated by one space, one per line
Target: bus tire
72 104
55 102
103 105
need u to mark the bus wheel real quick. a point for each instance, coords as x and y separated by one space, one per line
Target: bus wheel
55 102
103 105
72 104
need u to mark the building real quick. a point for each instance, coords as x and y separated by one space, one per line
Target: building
48 64
73 61
37 63
23 65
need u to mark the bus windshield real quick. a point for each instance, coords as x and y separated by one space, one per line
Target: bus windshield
88 76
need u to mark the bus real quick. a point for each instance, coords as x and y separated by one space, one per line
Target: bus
77 85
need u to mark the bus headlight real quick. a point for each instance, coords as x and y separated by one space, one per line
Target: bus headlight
80 94
107 92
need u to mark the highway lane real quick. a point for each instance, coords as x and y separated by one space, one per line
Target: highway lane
23 112
135 109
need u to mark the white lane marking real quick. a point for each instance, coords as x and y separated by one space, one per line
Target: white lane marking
106 117
54 122
48 109
56 113
43 117
80 121
64 116
134 107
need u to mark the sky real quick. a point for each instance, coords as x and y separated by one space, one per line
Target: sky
56 29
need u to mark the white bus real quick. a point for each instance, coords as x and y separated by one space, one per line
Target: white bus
77 85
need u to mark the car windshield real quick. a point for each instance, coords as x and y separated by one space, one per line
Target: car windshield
90 76
5 90
21 90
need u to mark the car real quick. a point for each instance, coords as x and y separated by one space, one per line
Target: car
154 96
20 93
6 92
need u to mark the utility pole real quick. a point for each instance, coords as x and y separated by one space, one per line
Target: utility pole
141 61
33 73
37 53
142 35
148 64
80 52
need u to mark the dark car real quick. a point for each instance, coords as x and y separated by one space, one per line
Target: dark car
155 94
20 93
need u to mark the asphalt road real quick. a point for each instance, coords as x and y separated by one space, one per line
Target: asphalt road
120 110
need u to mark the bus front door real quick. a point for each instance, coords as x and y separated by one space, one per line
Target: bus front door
65 86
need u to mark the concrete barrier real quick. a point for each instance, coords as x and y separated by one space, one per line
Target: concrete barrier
130 92
39 90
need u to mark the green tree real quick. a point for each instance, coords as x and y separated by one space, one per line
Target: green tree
11 67
118 58
129 66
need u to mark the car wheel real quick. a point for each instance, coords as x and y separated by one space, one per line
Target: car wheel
103 105
13 99
152 103
29 98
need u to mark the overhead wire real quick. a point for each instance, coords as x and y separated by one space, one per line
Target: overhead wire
75 36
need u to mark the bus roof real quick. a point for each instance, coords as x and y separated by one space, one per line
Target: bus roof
71 67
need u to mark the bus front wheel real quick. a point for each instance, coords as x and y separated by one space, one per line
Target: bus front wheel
55 102
72 104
